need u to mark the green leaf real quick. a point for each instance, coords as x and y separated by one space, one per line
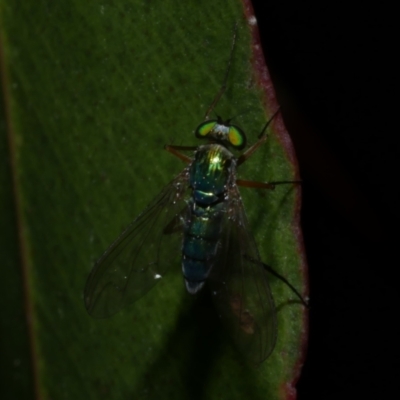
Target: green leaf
91 93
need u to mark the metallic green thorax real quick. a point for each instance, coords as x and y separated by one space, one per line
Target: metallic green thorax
209 171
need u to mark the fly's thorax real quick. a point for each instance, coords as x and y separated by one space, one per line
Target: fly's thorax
211 169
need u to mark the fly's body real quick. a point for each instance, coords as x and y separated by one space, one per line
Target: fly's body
210 174
199 214
198 221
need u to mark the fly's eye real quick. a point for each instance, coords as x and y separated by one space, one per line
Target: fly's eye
237 138
204 129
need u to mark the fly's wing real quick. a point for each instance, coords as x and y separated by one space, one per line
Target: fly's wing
137 260
239 286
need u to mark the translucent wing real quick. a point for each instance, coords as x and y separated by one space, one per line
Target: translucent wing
137 260
239 285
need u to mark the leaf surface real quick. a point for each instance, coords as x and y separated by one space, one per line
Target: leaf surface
91 93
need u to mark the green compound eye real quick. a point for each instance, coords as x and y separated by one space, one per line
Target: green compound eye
205 128
237 138
222 132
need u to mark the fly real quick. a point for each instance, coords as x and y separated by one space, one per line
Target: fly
200 212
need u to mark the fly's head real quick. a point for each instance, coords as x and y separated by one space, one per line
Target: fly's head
222 132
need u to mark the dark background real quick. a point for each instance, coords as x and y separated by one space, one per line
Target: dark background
331 70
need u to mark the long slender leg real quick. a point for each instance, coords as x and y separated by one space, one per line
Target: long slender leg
281 278
223 87
286 282
254 184
175 151
262 185
262 137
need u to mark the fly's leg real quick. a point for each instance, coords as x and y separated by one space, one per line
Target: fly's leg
254 184
176 151
281 278
286 282
262 185
262 137
266 185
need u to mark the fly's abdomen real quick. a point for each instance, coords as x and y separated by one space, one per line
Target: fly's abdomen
200 244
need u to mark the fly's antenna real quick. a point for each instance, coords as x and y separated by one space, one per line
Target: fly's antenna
223 87
268 122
